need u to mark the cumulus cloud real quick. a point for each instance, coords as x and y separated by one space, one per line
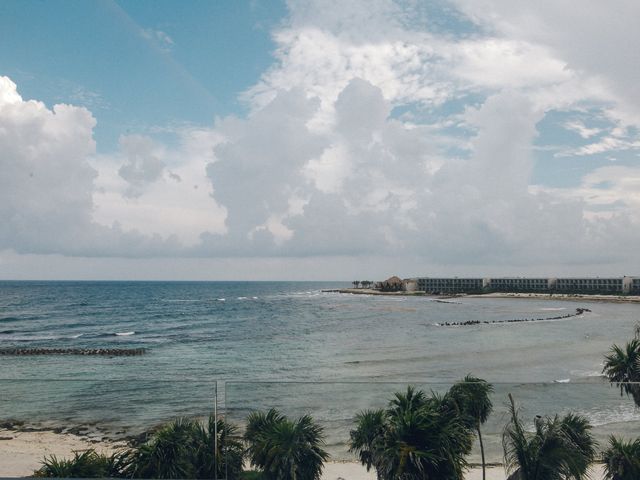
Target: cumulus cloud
47 184
43 152
159 38
581 129
158 190
381 184
143 164
259 165
373 133
590 36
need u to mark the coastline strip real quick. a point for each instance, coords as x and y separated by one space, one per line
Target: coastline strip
587 297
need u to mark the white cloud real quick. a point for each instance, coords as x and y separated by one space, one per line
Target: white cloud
48 186
158 38
581 129
326 165
322 64
504 63
156 190
42 153
607 192
592 37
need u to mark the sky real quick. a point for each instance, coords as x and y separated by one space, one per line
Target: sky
318 140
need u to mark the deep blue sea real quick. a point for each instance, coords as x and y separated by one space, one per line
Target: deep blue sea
292 346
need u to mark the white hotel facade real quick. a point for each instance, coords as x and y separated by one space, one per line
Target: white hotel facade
604 285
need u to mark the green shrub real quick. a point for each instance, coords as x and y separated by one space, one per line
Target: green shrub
185 449
285 449
622 459
87 464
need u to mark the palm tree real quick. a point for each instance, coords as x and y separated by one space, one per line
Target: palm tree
622 459
284 449
225 461
366 437
472 398
622 366
559 448
185 448
416 437
168 453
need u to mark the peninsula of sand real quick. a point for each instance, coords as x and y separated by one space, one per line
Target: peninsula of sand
541 296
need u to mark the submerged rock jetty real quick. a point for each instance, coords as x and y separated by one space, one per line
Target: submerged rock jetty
579 311
115 352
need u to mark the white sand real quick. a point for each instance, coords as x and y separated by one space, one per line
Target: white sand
23 453
562 296
355 471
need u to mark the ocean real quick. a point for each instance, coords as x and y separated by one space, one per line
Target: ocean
254 345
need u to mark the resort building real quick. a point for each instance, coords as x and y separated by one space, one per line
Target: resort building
451 285
593 285
590 285
520 284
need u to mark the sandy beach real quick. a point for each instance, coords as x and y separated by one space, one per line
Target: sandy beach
21 453
562 296
540 296
355 471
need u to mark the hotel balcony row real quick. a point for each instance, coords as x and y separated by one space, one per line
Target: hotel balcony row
610 285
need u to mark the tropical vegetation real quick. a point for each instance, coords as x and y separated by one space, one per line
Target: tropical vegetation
622 366
87 464
622 459
184 448
472 397
418 436
285 449
559 448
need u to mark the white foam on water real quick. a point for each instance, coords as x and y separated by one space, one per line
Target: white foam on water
124 334
552 309
222 299
76 336
562 380
255 298
587 373
241 298
612 414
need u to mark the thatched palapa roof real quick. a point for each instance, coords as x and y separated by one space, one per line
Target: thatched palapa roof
393 280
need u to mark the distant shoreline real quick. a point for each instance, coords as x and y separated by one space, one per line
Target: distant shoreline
534 296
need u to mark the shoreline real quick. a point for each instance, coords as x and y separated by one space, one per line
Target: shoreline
22 451
598 298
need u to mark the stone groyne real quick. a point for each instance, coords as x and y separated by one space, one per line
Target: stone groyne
579 311
114 352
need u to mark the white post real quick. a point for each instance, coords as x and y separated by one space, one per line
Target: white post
215 432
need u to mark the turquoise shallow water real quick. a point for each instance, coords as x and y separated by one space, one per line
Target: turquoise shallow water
257 339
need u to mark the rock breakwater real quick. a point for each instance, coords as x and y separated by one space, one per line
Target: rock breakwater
113 352
579 311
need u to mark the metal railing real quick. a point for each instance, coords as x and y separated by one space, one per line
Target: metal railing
107 411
